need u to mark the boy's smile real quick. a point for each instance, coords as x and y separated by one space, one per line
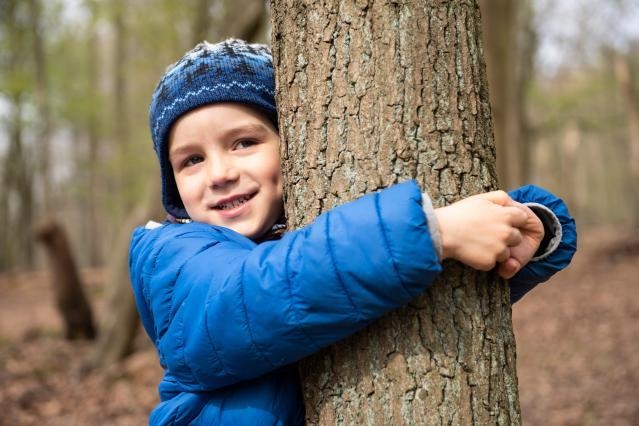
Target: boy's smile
226 163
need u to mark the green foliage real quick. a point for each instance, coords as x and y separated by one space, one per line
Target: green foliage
589 97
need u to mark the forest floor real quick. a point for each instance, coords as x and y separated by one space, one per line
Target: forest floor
577 344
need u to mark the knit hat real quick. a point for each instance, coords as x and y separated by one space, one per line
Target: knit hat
229 71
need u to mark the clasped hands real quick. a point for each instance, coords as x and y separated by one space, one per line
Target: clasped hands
488 230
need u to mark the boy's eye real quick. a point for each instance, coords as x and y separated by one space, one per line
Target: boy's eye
192 160
245 143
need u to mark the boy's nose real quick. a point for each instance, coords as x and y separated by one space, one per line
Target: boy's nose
221 171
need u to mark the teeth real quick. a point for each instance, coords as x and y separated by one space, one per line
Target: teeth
232 204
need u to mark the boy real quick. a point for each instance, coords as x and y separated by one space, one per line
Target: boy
231 302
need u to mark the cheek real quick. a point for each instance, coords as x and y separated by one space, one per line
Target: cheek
271 169
187 188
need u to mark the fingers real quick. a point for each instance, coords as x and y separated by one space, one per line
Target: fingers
503 255
509 268
518 216
498 197
518 212
514 238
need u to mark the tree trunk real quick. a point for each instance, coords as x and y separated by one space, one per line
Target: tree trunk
627 87
201 21
93 214
369 94
17 176
93 222
509 46
120 104
570 147
119 327
67 287
247 18
42 98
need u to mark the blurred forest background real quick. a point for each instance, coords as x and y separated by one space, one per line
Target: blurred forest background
76 77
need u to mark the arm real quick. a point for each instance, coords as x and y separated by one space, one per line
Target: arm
221 309
558 245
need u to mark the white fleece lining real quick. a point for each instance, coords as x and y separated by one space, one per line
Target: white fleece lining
152 225
556 239
433 225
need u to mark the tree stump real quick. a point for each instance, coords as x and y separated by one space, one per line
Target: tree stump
68 291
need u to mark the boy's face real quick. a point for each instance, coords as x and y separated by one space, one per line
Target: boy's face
226 163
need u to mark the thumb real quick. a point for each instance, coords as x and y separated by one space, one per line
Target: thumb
509 268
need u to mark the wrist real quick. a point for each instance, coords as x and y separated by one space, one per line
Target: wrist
447 251
552 230
433 225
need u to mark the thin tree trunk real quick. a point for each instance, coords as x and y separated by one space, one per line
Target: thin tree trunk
570 147
70 299
93 139
369 94
42 98
627 86
120 105
247 18
121 321
201 21
17 181
509 45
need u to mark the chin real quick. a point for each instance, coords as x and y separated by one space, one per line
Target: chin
247 232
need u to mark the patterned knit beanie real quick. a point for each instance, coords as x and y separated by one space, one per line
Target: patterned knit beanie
229 71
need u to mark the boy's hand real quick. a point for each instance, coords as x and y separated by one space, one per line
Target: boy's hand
480 231
532 233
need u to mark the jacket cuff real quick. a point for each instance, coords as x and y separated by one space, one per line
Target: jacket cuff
433 225
552 231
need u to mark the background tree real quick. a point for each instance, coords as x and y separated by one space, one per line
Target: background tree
371 93
509 45
17 167
626 79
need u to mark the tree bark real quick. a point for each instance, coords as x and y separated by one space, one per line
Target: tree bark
371 93
67 286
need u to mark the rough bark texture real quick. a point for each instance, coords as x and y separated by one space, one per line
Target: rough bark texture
371 93
70 299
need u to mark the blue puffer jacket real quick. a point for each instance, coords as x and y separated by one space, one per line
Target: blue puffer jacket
230 317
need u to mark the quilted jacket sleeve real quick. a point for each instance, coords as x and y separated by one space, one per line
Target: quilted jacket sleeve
562 246
222 309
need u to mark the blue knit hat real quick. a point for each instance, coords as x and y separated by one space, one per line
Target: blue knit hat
229 71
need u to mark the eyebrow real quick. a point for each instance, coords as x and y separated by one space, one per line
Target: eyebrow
245 128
